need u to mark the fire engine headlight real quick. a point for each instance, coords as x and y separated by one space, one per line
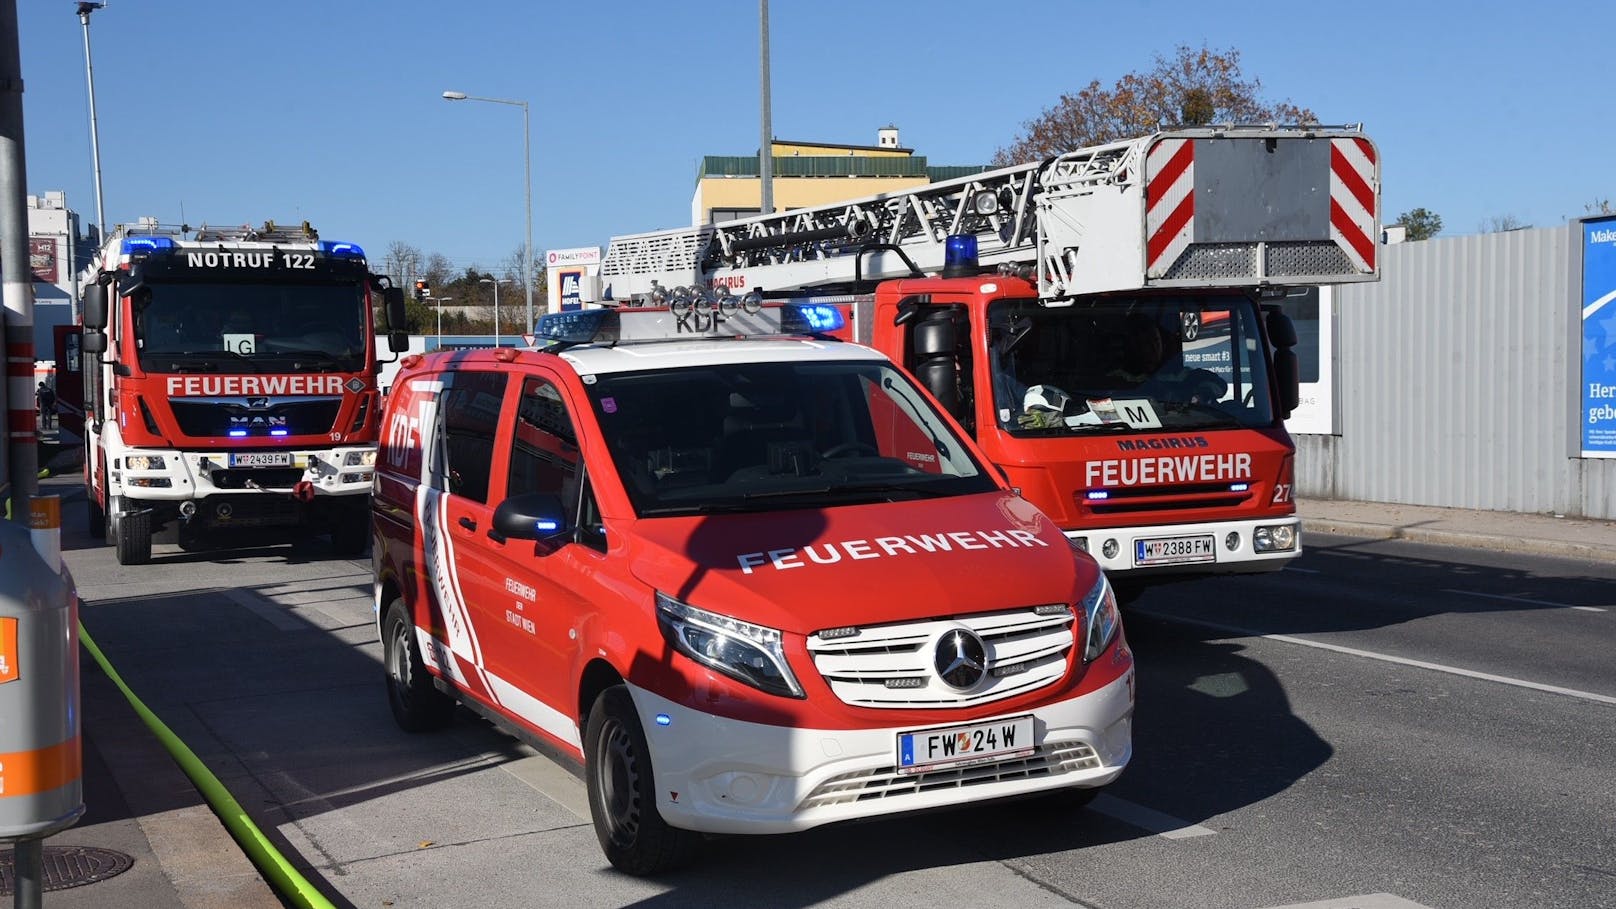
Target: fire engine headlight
143 462
1274 538
745 652
1100 619
366 458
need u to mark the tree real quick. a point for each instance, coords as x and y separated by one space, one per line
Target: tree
1498 224
1420 224
1193 87
1600 206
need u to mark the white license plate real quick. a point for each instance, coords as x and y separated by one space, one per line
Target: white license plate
261 459
958 746
1174 550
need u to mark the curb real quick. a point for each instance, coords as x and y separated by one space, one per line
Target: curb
1562 548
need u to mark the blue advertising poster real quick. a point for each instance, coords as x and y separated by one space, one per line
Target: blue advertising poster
1599 338
571 298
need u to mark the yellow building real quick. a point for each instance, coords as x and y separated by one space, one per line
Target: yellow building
806 174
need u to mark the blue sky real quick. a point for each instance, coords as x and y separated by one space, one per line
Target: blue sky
231 112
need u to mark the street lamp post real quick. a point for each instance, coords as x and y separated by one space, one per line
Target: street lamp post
496 306
84 10
527 174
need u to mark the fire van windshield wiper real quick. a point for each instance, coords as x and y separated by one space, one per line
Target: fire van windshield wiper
196 359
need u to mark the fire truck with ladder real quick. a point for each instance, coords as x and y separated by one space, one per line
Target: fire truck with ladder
1106 323
230 381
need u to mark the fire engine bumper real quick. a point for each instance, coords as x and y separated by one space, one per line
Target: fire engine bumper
179 476
777 779
1207 547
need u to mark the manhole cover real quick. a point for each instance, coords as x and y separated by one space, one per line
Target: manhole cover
67 866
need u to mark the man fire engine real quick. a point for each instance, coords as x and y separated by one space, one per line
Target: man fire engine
230 381
1104 323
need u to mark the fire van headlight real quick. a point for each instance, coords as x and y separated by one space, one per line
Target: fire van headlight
143 462
366 458
1099 618
748 653
1274 538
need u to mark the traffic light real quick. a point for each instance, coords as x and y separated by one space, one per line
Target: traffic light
422 291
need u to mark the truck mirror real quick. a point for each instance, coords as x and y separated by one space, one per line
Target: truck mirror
1281 330
393 309
94 342
531 516
1288 376
909 307
95 307
398 341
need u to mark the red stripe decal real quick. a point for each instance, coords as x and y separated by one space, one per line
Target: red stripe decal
1175 222
1352 233
1352 180
1367 149
1162 182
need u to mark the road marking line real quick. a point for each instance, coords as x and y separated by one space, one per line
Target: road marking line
1388 658
1147 819
1499 596
1367 901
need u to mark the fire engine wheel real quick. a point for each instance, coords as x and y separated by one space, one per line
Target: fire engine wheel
417 704
133 531
622 797
95 516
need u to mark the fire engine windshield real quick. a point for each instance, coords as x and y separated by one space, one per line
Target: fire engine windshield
766 436
207 327
1127 364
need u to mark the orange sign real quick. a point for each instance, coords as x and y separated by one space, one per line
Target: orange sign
9 670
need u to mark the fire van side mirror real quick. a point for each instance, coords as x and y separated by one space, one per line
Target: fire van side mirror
535 516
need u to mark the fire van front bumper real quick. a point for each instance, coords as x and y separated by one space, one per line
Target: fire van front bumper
721 775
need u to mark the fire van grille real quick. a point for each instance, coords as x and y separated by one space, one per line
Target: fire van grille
888 783
894 666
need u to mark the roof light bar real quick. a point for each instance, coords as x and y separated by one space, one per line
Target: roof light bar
142 246
338 250
688 317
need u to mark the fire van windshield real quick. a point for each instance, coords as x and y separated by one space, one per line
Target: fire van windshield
1129 364
185 326
767 436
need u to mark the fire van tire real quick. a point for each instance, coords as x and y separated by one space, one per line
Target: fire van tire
622 793
417 704
133 530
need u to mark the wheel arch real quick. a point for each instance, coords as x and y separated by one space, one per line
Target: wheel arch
597 676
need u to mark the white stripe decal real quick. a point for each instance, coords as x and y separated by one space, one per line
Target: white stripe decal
530 709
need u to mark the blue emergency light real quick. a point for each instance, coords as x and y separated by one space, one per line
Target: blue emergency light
1097 495
238 433
810 318
140 246
959 256
578 327
277 432
337 250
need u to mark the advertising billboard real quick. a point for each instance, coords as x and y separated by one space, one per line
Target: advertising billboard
42 258
1598 412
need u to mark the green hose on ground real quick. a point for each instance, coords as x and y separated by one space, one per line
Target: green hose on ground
269 860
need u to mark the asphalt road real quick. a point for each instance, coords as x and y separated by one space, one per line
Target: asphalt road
1384 725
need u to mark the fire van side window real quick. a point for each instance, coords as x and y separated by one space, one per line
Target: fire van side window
544 452
470 411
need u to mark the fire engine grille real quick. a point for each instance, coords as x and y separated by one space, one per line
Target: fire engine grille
271 477
213 417
888 783
1303 259
895 665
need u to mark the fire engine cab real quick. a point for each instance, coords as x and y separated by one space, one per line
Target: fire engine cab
750 576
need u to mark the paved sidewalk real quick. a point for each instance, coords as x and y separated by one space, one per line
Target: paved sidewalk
1539 534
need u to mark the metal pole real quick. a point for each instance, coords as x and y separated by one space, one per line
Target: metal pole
29 859
85 9
527 248
19 478
766 150
496 312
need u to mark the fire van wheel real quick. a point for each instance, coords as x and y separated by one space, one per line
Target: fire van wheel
95 516
418 706
622 795
134 535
